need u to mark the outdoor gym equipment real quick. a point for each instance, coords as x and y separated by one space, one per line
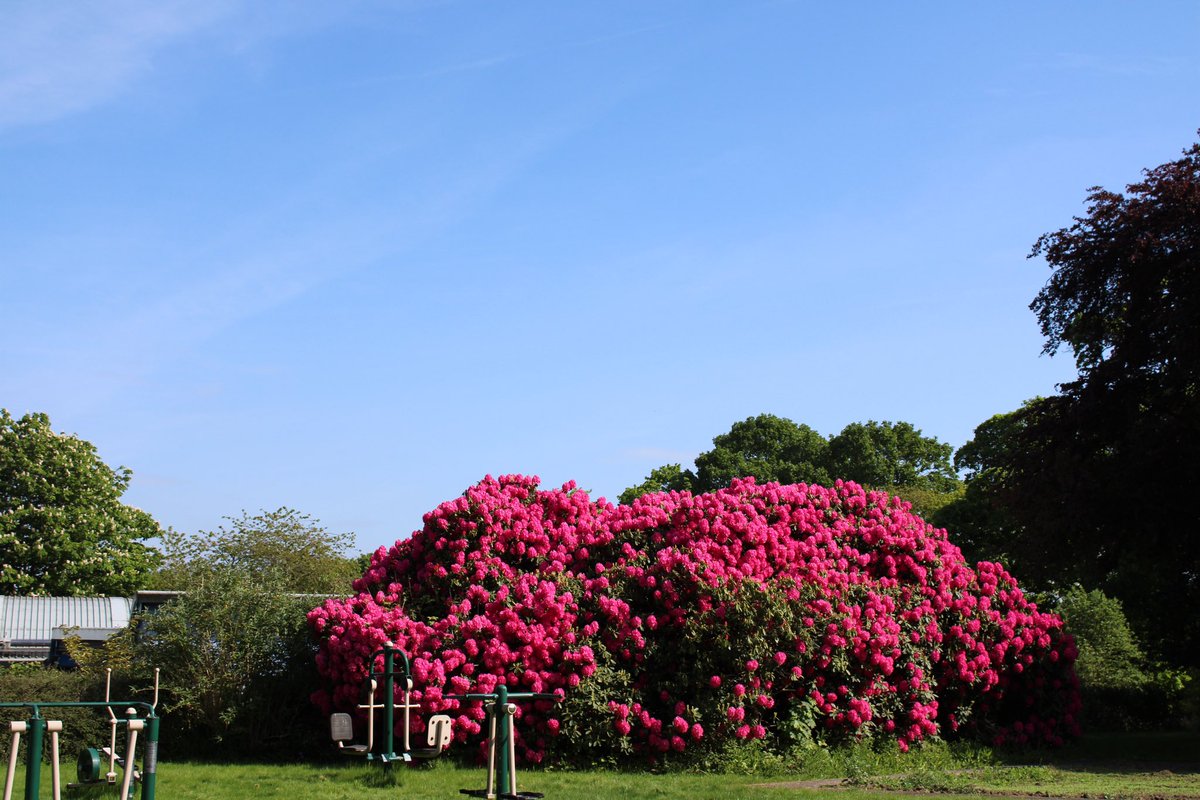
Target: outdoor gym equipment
501 744
89 759
87 766
341 726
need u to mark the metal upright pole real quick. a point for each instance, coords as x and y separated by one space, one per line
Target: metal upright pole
150 759
33 756
389 661
504 732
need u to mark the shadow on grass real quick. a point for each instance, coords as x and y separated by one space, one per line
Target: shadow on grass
1176 752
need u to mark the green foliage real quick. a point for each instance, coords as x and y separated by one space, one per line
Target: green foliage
82 727
63 527
237 665
928 503
879 454
1109 656
988 519
667 478
290 548
587 721
767 447
236 661
893 456
1121 690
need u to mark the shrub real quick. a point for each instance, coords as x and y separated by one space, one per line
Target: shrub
237 668
1109 656
82 727
1119 688
681 624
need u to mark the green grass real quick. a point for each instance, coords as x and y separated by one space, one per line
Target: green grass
1138 765
1046 781
1127 766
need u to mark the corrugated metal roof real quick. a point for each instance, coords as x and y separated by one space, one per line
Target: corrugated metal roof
35 619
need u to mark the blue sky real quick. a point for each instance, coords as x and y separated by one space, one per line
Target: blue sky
351 257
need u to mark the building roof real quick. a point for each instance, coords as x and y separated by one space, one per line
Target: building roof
38 619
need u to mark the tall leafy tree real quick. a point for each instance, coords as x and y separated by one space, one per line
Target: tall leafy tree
667 478
891 454
63 527
768 447
1095 484
981 519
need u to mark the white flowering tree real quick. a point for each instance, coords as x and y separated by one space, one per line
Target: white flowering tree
63 527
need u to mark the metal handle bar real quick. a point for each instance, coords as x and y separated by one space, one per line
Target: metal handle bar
149 709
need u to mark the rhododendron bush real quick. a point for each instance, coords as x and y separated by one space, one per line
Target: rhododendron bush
686 623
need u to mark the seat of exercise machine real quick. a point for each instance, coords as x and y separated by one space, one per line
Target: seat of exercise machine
425 752
341 730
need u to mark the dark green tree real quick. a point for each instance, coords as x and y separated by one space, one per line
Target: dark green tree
667 478
980 518
881 455
1094 485
767 447
63 527
891 454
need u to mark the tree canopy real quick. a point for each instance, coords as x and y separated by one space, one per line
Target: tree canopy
880 455
767 447
883 454
63 527
1094 484
293 549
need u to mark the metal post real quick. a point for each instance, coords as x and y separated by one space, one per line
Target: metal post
33 756
150 759
504 732
389 660
490 789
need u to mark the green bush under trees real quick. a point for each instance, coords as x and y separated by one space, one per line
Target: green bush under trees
82 727
237 665
1121 689
237 668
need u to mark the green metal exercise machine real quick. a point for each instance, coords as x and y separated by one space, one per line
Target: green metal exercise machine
138 717
341 726
502 756
502 744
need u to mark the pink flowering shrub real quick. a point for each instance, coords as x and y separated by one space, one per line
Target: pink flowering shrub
685 622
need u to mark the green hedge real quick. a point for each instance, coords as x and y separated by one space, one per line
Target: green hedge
82 727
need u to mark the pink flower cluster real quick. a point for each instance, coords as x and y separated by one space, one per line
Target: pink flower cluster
686 621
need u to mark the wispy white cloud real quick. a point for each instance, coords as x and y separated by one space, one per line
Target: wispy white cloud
61 59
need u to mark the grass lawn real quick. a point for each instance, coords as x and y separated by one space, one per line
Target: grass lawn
1155 765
